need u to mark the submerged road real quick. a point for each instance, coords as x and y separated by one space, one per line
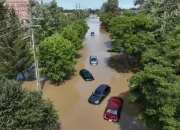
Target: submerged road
70 98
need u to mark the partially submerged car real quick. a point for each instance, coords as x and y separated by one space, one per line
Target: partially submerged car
92 33
111 50
99 94
93 60
113 109
86 75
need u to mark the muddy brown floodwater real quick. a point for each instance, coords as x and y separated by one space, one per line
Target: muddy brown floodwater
70 98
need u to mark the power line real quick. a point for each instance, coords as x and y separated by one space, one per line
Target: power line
12 31
9 26
8 19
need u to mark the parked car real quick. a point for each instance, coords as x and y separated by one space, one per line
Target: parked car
86 75
113 109
99 94
92 33
93 60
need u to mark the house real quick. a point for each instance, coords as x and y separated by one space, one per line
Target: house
20 6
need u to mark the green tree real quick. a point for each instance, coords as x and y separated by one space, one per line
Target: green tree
163 15
156 88
131 33
106 18
81 27
70 34
24 109
15 53
51 22
56 57
109 10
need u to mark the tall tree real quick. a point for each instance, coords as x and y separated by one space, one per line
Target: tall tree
24 109
15 53
50 15
156 87
109 10
131 34
81 27
56 56
71 35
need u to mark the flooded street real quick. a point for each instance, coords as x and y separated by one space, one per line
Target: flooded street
71 97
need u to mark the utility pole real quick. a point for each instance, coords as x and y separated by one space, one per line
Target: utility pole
34 47
76 6
79 10
76 9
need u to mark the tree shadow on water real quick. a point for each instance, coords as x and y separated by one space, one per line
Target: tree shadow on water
74 73
128 118
121 63
108 44
77 56
59 126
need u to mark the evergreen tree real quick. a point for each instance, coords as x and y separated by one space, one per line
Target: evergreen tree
15 53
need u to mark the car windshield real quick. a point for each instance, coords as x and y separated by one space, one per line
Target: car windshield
87 74
93 59
97 93
112 111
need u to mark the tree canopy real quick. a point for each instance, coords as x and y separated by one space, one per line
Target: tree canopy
151 33
109 10
81 27
70 34
131 34
56 56
24 109
15 53
51 20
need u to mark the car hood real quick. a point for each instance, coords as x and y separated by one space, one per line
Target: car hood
94 98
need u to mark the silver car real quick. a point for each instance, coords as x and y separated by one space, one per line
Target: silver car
93 60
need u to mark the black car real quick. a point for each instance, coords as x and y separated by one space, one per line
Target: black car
99 94
92 33
86 75
111 50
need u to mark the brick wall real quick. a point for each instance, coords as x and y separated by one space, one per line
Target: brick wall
20 6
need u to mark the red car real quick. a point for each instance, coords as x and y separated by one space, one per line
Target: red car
113 109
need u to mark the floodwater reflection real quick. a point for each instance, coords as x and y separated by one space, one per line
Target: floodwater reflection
71 98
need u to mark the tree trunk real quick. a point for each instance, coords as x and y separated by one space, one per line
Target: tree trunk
23 76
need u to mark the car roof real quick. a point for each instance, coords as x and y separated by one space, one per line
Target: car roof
101 88
93 57
114 102
92 32
84 70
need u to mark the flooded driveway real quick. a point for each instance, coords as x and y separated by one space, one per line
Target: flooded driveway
70 98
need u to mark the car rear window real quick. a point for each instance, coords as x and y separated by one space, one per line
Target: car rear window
111 111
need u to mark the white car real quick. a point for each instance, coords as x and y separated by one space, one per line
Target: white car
93 60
